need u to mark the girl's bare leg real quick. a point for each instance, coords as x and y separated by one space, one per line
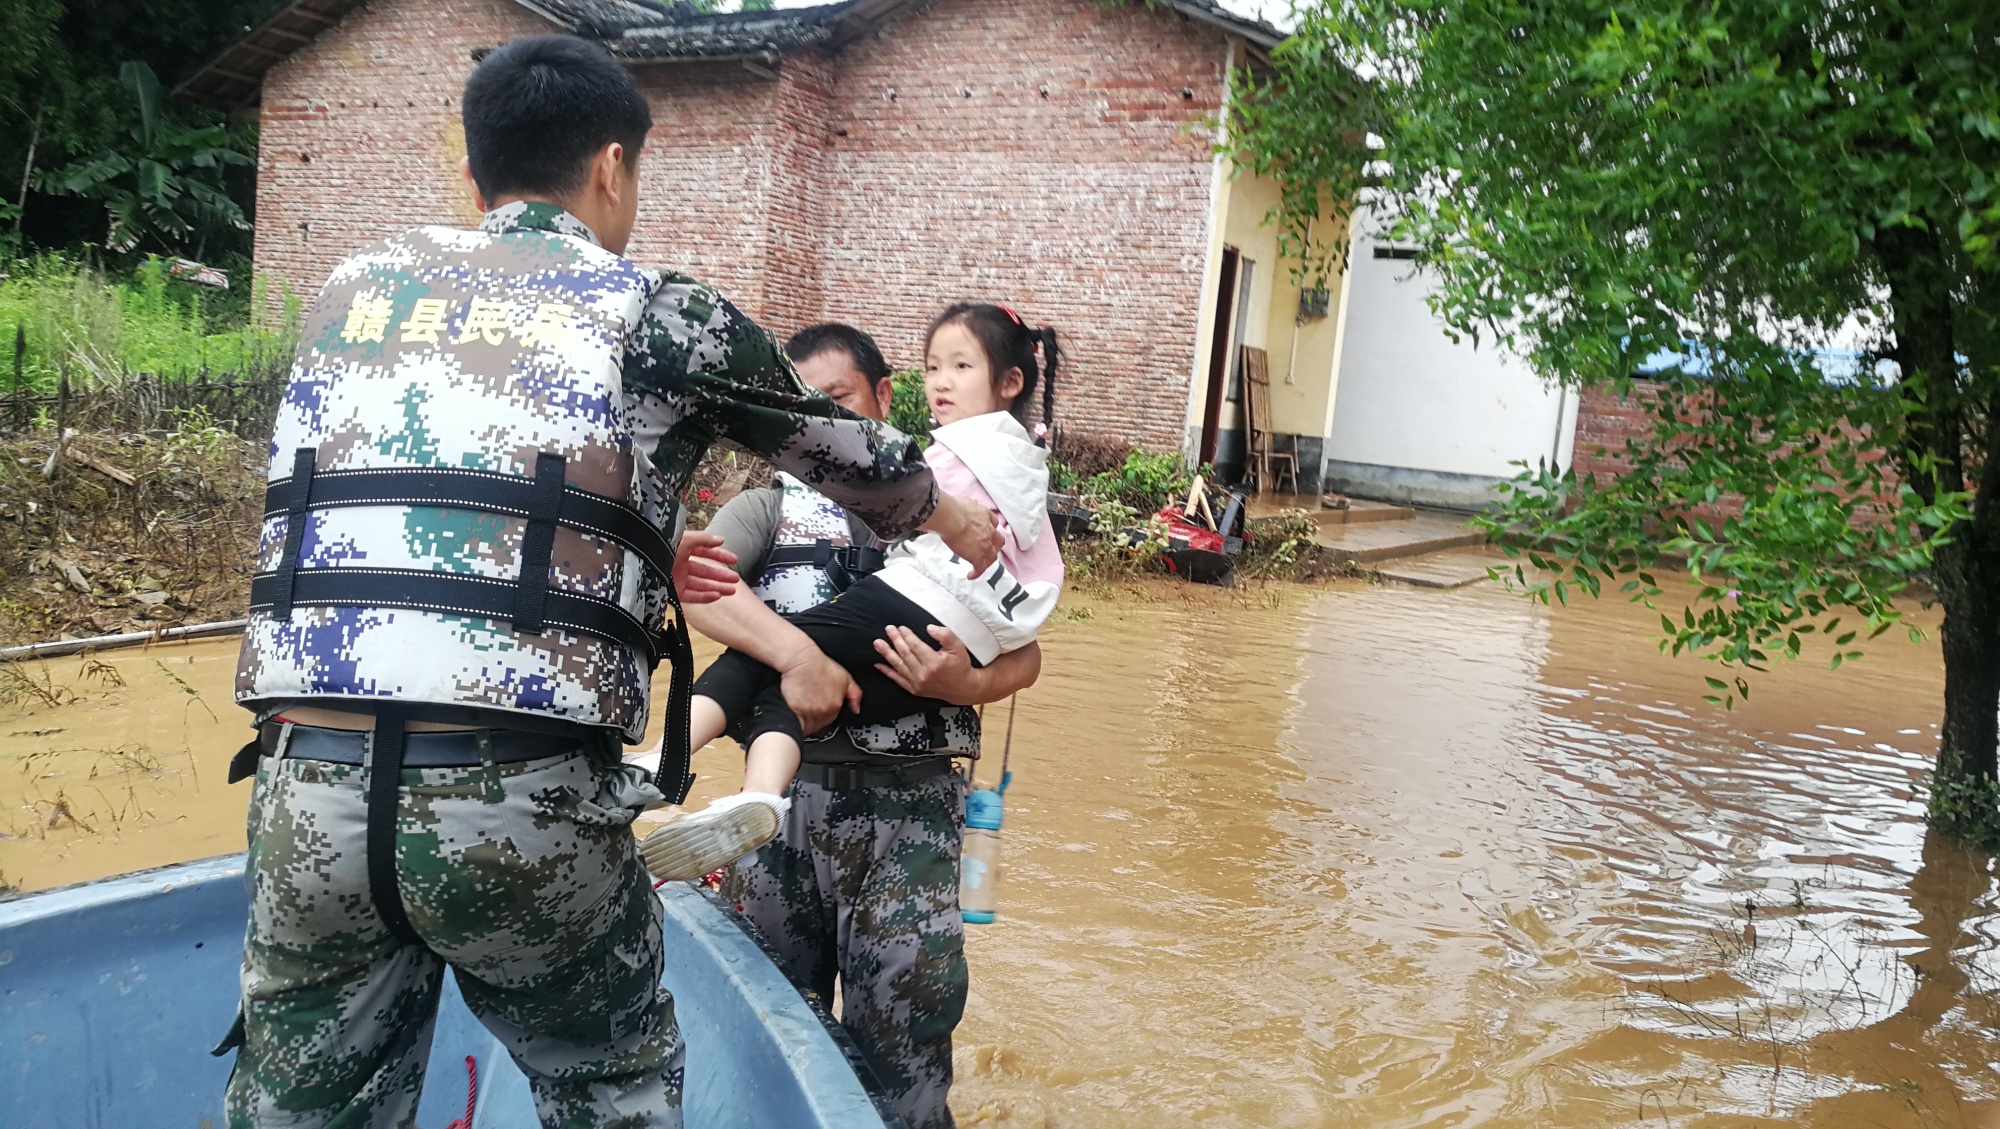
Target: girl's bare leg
770 764
691 846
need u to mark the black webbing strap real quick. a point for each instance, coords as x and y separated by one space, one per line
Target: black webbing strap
455 594
385 777
297 499
676 775
490 491
843 565
538 542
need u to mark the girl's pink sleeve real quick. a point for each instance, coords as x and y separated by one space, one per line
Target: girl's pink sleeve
1040 561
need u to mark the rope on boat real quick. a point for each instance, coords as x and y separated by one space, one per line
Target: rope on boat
471 1094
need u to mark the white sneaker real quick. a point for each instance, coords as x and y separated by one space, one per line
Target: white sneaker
700 844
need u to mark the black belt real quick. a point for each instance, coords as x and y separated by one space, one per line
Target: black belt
441 749
842 564
849 777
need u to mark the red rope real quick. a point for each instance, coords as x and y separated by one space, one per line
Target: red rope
471 1094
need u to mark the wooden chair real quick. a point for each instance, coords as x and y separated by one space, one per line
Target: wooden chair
1257 431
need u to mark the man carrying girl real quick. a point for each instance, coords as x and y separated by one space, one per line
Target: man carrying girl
861 879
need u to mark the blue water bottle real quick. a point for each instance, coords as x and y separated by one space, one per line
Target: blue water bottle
979 859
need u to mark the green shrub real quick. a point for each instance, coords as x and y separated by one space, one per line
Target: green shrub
909 412
1277 545
1145 481
1123 544
1967 808
1062 479
79 320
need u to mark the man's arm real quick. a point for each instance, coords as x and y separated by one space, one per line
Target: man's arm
814 685
729 380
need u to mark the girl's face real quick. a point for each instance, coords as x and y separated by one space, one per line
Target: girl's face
958 377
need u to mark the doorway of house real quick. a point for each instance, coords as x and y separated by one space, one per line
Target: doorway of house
1219 351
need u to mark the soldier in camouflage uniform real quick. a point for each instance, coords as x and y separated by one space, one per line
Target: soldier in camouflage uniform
465 561
861 884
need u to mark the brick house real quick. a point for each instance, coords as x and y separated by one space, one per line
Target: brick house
867 161
870 161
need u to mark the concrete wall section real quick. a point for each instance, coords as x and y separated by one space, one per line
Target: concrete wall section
1452 415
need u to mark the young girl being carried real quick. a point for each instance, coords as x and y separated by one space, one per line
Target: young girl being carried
979 372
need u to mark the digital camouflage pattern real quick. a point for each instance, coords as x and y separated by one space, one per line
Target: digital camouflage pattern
862 884
949 731
807 517
479 349
523 876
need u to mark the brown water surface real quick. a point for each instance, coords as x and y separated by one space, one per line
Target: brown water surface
1346 857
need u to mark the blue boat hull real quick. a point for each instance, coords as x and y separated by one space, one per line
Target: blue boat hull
112 993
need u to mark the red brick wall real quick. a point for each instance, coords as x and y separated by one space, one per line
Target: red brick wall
1605 421
1042 153
1034 152
707 181
360 132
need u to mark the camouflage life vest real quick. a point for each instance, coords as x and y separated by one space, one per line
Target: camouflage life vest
457 516
814 548
794 579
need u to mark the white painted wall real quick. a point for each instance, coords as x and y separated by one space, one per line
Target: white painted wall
1410 398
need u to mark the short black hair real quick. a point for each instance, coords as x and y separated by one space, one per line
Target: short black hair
536 109
859 347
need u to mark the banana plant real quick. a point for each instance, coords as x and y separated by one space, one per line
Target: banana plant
165 185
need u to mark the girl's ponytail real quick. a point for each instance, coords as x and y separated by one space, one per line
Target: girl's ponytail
1051 356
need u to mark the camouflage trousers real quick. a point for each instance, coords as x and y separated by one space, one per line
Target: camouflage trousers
523 877
863 884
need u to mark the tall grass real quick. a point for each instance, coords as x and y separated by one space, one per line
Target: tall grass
98 329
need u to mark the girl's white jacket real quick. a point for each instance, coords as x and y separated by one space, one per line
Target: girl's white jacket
988 459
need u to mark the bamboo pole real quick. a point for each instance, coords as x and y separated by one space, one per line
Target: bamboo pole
59 647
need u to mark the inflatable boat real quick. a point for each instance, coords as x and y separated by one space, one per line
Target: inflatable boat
113 992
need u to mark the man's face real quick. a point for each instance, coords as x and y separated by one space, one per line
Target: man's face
832 371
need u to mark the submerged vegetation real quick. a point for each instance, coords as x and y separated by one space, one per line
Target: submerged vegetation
1125 488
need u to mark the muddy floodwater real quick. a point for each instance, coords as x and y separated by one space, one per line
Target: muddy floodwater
1356 856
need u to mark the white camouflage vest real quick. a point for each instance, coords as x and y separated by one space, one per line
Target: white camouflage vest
806 518
478 522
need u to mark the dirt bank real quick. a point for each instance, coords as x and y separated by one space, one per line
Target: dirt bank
125 532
